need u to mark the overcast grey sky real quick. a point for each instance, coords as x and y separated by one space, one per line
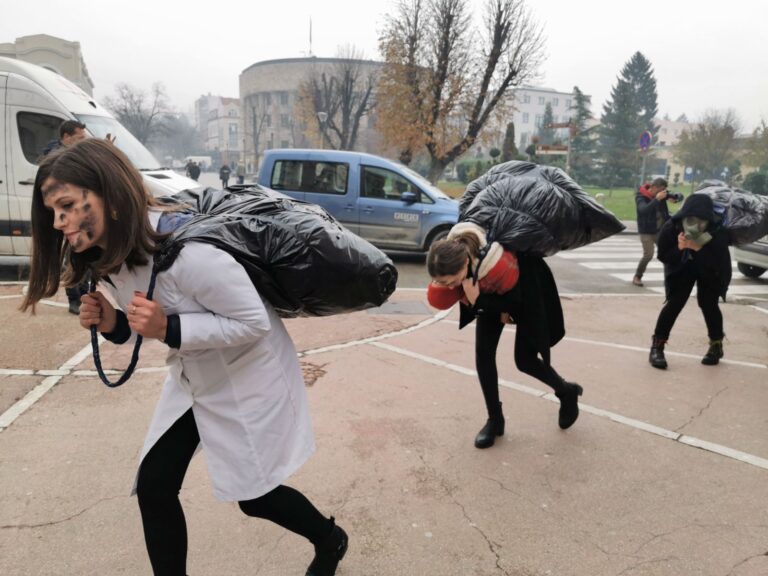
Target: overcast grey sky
705 55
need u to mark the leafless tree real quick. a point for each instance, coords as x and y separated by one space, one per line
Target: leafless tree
709 146
143 114
446 77
342 95
255 114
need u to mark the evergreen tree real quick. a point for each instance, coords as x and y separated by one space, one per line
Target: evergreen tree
547 135
631 109
508 148
582 138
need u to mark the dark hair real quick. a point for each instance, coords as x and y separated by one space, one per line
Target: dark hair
69 127
448 257
659 183
100 167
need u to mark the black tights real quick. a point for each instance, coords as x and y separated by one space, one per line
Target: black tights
165 530
527 360
707 297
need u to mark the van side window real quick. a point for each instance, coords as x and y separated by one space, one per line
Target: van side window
35 131
387 185
310 176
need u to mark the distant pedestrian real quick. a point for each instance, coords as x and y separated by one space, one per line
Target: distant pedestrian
224 173
193 170
234 386
652 212
240 172
693 245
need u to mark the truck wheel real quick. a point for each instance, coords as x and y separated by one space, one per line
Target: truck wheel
750 271
439 235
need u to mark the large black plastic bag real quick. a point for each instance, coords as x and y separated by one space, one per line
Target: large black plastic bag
297 255
745 215
527 207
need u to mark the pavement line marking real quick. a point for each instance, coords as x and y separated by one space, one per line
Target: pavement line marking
7 417
11 296
719 449
645 350
763 310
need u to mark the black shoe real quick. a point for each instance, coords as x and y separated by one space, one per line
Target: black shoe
74 307
329 552
656 356
493 427
569 404
714 353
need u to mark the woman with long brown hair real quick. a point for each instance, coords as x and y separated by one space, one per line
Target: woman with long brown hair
499 287
234 385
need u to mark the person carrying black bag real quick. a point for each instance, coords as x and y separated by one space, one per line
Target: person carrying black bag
234 385
693 245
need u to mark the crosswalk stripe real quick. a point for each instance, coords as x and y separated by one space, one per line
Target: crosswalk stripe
598 255
659 277
733 289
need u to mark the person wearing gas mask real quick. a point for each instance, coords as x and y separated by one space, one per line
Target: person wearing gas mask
693 245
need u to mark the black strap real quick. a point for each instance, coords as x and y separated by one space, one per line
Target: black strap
139 339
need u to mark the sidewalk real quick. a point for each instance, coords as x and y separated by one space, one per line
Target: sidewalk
631 489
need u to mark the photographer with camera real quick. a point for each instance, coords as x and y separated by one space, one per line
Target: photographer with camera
652 212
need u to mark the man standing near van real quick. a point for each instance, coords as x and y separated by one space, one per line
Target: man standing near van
70 132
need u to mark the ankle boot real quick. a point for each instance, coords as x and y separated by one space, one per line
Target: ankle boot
329 552
493 427
714 353
569 404
656 357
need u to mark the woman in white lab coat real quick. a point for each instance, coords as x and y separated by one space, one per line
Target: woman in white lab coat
234 386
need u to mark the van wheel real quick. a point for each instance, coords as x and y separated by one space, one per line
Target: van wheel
750 271
438 235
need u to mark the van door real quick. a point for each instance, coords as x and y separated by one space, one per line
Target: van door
327 184
6 248
385 219
33 120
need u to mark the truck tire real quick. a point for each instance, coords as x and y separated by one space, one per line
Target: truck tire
750 271
439 234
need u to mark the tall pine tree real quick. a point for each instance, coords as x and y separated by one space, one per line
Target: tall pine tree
582 138
631 109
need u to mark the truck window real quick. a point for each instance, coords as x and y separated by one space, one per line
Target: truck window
387 185
35 131
310 176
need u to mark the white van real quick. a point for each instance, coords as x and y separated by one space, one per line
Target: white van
33 103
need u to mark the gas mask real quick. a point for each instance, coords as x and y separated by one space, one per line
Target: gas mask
695 229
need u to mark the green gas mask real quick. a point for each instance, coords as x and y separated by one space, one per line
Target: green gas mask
695 229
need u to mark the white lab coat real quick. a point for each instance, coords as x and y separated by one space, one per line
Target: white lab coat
236 368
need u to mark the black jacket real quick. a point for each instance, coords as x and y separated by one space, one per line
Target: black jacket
533 303
711 264
647 208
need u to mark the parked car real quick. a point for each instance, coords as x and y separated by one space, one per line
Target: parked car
383 201
752 259
33 103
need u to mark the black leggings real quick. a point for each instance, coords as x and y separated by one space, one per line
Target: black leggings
165 530
707 296
527 360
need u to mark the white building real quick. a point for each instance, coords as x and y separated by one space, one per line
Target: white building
529 103
218 122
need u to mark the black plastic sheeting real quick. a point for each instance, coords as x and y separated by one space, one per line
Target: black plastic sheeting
745 215
298 256
538 209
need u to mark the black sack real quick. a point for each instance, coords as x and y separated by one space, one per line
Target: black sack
298 256
532 208
744 214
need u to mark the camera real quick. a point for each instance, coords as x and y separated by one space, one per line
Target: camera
675 197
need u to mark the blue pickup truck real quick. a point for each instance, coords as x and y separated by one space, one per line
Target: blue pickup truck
384 202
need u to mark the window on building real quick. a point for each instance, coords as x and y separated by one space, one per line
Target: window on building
567 102
541 99
285 120
538 119
232 112
526 99
526 117
284 144
268 120
555 101
233 139
310 176
283 98
268 99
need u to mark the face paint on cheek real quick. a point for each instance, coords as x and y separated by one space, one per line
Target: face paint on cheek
87 225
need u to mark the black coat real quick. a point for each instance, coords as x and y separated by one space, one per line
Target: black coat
711 264
647 209
534 304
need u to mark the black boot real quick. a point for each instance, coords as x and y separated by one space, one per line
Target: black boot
569 404
329 552
656 357
493 427
714 353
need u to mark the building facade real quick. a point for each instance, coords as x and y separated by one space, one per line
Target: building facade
219 127
529 103
55 54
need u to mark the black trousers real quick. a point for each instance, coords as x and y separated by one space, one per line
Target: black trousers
678 293
487 335
165 530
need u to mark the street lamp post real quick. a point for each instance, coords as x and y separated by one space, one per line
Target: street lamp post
322 118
